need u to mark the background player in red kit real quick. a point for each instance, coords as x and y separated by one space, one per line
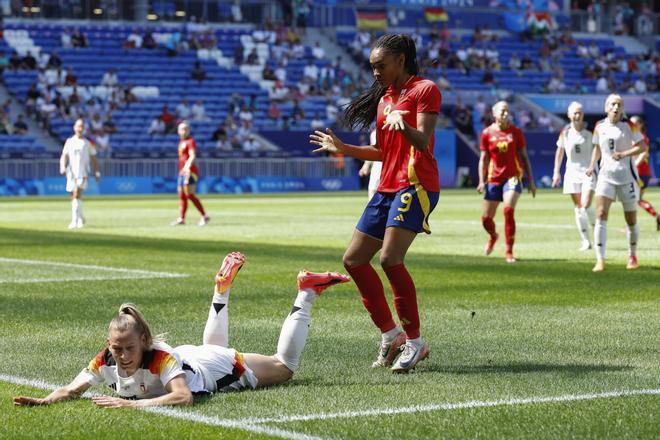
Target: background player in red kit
406 108
500 174
644 171
188 175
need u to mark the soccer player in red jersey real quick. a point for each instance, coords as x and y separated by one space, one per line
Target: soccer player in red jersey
500 174
188 175
644 171
406 108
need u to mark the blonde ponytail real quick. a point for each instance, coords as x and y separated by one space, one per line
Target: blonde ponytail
129 317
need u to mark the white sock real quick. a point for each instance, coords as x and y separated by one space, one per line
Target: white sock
74 210
591 213
581 222
600 237
633 235
80 210
293 335
216 331
389 336
417 342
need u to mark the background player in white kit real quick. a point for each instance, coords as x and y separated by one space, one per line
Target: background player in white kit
75 160
373 168
615 144
137 365
575 140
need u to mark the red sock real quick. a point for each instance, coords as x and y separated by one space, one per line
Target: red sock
648 208
183 199
489 225
373 295
509 228
193 198
405 299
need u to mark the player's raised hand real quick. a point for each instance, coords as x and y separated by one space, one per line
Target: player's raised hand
394 120
328 142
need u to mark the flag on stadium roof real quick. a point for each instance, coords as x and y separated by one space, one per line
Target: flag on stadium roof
371 18
433 15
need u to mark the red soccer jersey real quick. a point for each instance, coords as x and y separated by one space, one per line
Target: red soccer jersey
403 164
644 167
503 147
186 146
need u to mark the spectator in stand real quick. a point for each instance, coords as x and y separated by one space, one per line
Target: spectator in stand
172 44
443 83
168 119
96 124
65 39
31 99
4 63
109 125
555 85
134 40
601 84
582 50
462 117
198 73
110 78
235 103
20 126
331 112
221 139
279 93
311 71
15 61
317 123
527 63
70 79
243 132
268 73
148 41
29 62
297 112
47 110
274 112
640 86
54 61
183 110
246 115
102 140
280 71
318 52
251 144
78 39
5 124
253 58
544 122
157 126
199 111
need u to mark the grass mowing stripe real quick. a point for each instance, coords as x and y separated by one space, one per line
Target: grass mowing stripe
452 406
176 413
523 224
139 272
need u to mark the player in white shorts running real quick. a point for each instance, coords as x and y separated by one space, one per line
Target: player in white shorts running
77 154
575 140
144 371
615 144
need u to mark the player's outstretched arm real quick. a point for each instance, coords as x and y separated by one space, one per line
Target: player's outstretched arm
67 392
178 393
328 142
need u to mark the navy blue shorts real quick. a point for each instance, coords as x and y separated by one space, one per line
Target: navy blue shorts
495 191
409 208
644 181
183 181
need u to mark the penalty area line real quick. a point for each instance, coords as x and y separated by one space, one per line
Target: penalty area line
453 406
176 413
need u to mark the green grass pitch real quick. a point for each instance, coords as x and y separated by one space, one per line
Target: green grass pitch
517 351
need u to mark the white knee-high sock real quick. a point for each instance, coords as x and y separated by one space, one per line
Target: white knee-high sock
75 207
591 213
581 222
216 331
80 209
293 335
600 237
633 236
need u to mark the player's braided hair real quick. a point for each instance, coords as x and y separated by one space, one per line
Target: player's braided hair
361 112
129 317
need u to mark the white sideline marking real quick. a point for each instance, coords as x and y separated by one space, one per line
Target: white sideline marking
134 273
452 406
177 413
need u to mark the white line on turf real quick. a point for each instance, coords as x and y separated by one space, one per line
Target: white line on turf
452 406
131 273
175 413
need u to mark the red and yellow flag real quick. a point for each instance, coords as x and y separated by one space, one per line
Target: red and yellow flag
433 15
371 19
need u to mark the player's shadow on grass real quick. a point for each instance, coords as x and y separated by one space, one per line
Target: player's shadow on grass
521 368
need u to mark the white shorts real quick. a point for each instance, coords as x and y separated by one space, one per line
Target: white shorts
627 194
578 183
75 182
218 366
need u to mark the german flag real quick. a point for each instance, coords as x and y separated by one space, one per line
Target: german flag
371 19
434 15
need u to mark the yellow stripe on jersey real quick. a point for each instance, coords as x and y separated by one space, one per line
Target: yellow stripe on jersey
412 175
425 203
